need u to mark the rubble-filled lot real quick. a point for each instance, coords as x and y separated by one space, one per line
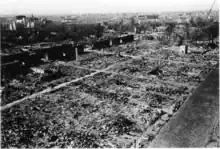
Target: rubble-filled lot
54 74
163 70
118 114
124 104
131 87
136 48
137 67
98 61
208 59
182 73
48 76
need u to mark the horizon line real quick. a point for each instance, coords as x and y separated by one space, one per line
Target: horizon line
81 13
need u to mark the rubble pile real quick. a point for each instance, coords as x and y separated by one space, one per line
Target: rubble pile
99 61
135 68
200 59
12 93
205 59
139 97
169 71
52 73
180 73
134 49
11 50
171 91
50 119
116 84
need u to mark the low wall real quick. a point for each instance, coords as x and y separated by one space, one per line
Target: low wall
14 64
128 38
61 52
116 41
12 57
101 44
10 69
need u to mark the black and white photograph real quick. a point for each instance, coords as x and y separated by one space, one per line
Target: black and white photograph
109 74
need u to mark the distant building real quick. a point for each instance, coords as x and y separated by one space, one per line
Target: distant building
142 17
168 18
32 21
157 35
45 21
12 26
4 25
21 19
30 25
68 19
152 17
183 19
148 17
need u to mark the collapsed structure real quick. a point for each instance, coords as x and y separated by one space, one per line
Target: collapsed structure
113 42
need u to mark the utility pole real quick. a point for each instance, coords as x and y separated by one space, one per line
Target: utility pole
76 53
211 8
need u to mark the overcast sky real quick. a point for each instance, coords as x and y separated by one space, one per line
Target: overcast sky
103 6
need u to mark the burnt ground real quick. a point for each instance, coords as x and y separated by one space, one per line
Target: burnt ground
115 101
